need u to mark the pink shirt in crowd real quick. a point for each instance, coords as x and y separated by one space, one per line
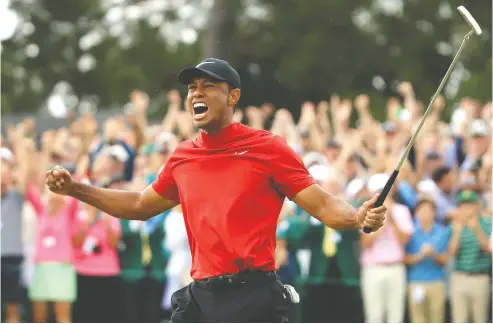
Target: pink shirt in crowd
104 260
53 233
386 248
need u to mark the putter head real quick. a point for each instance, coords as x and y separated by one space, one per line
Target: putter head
470 20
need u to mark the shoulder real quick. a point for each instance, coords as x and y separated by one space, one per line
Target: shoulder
401 209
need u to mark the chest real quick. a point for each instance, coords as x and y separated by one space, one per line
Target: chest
421 238
229 174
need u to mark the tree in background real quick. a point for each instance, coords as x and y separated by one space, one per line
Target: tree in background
287 51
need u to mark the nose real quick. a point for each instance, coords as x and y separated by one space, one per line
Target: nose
198 92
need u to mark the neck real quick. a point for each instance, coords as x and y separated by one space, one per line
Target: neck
426 225
214 129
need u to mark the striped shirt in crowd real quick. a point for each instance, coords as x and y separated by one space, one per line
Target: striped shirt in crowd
471 258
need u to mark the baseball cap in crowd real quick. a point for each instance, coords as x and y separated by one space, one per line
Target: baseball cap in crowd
6 154
333 144
478 128
354 187
165 142
423 198
313 158
377 182
389 126
116 151
433 155
466 196
217 69
305 134
319 172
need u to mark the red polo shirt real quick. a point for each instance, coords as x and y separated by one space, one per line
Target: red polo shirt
231 187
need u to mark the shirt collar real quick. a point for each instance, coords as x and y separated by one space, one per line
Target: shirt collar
225 135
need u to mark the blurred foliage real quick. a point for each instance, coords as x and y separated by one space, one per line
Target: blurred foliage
296 51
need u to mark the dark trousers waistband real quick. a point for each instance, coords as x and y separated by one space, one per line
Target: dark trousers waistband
234 280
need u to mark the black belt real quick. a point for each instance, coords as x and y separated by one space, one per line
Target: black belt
235 280
472 274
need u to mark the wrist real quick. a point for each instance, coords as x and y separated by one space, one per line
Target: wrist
74 189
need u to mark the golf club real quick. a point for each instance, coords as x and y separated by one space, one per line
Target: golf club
476 30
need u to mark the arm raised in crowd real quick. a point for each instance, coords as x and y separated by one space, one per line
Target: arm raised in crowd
118 203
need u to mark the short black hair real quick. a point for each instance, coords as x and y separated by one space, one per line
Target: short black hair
440 173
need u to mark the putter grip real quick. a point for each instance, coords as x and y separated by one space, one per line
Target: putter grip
383 195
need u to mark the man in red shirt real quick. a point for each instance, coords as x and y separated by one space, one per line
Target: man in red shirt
231 182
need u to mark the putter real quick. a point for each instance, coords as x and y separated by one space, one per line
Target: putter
475 29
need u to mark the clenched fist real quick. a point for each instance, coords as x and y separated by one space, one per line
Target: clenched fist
59 180
371 217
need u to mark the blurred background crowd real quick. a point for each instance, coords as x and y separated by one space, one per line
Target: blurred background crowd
87 85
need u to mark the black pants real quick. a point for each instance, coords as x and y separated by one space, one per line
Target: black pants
12 290
252 302
98 300
142 301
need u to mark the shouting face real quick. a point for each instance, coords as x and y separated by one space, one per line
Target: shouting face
211 103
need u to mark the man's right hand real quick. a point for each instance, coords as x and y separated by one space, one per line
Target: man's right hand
59 181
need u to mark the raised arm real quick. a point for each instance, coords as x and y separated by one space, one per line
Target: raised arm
133 205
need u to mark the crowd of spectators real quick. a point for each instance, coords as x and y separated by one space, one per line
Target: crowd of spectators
65 259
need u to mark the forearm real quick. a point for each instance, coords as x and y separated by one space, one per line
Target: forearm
317 137
483 240
140 127
411 259
338 214
441 259
118 203
169 119
454 243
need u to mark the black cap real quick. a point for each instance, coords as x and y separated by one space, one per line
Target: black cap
217 69
389 126
433 155
331 143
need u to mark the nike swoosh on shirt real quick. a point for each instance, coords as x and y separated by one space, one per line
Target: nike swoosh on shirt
241 153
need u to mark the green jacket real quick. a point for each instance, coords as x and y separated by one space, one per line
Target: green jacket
130 252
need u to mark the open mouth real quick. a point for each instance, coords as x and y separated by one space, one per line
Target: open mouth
199 110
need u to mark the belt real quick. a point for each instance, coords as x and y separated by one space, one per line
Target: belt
472 274
234 280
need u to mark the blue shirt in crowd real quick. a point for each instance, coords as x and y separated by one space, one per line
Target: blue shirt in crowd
428 269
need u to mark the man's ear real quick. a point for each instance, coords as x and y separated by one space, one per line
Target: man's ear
234 97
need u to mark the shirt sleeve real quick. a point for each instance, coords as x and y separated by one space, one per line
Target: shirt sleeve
165 184
288 171
407 194
402 217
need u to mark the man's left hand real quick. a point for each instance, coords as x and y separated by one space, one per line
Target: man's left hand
372 217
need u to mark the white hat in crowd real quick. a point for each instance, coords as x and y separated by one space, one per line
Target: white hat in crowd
478 128
377 182
118 152
354 187
319 172
6 154
312 158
